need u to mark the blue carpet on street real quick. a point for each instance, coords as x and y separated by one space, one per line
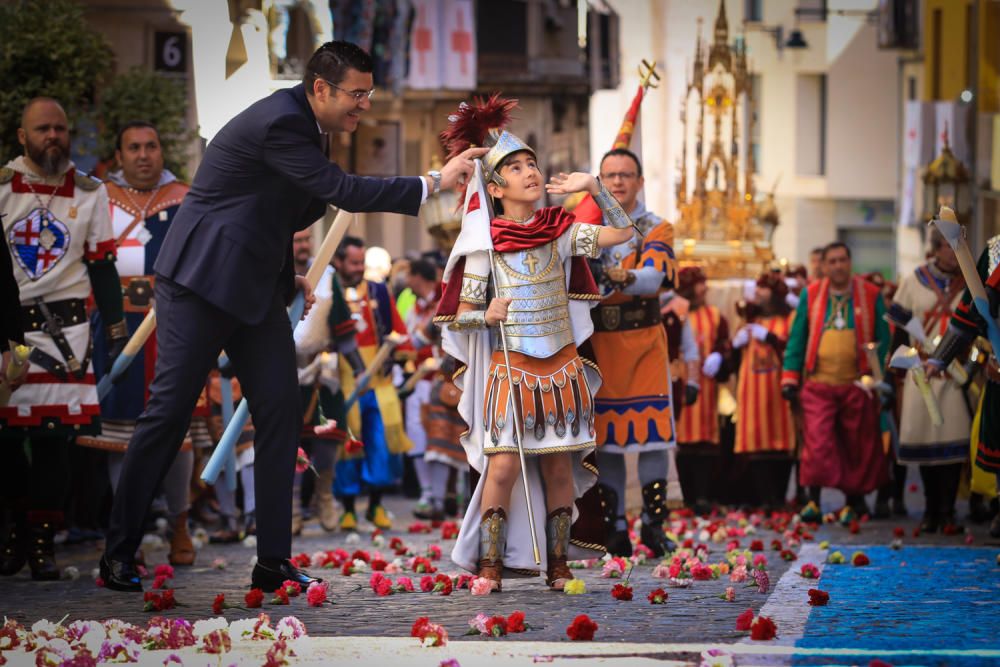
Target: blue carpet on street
928 605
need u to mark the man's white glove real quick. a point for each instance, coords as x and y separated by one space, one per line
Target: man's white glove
759 331
712 365
741 338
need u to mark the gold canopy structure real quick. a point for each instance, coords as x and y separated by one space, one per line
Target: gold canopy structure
721 228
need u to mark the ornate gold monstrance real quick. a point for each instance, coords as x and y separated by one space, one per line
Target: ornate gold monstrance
719 227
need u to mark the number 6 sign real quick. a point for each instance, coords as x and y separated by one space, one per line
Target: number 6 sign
171 52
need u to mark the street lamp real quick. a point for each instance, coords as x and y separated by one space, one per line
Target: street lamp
946 183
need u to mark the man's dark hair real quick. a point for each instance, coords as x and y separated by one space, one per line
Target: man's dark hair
331 62
627 153
424 269
131 125
348 242
818 250
833 246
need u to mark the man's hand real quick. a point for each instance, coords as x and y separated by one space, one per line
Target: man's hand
758 331
117 337
497 311
741 338
460 168
618 278
933 368
567 184
691 392
712 365
17 380
790 392
302 284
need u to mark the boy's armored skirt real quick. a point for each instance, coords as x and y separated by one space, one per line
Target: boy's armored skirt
552 399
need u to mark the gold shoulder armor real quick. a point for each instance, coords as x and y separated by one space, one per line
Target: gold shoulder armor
86 181
6 175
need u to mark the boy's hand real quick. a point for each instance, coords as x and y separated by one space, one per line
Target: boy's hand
578 181
497 311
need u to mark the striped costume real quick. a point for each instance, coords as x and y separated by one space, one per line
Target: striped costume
698 424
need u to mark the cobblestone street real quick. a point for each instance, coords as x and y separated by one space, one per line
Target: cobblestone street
867 603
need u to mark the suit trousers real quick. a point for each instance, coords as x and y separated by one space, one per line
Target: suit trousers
191 332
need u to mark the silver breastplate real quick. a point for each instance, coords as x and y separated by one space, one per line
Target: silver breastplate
538 322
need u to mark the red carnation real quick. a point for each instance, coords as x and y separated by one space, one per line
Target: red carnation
788 555
160 581
426 583
383 587
449 530
622 592
859 559
280 596
167 599
496 626
701 572
818 598
443 584
293 588
659 596
379 565
219 604
775 545
898 531
809 571
757 545
419 625
302 560
744 620
316 594
581 629
360 554
164 570
515 622
763 629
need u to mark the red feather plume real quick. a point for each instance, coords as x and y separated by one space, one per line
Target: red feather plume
470 125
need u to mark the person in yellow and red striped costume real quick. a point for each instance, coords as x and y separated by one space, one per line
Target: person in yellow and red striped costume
765 432
698 424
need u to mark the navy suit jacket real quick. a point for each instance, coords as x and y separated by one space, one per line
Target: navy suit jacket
264 177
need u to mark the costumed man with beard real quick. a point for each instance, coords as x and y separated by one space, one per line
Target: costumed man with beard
56 223
422 280
144 199
377 416
698 426
526 392
838 316
765 432
930 294
965 326
634 404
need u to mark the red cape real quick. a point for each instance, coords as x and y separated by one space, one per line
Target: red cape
508 236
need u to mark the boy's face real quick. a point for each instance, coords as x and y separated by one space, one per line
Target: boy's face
524 180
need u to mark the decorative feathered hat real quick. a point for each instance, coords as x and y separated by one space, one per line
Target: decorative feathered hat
483 123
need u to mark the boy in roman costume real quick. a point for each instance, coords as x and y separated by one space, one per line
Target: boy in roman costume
526 269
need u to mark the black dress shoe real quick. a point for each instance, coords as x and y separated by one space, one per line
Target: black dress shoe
120 576
269 578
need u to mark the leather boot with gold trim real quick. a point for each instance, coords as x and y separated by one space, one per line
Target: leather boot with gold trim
492 545
654 514
42 548
615 540
557 526
14 555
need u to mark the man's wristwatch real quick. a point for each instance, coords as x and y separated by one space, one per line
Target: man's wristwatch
436 177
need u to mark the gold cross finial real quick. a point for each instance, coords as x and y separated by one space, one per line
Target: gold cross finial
647 74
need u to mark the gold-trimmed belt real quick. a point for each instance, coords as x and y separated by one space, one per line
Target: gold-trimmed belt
639 313
137 293
67 312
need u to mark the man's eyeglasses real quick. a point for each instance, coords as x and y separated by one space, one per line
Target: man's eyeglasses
623 175
358 95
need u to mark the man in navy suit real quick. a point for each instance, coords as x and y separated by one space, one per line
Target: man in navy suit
224 277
